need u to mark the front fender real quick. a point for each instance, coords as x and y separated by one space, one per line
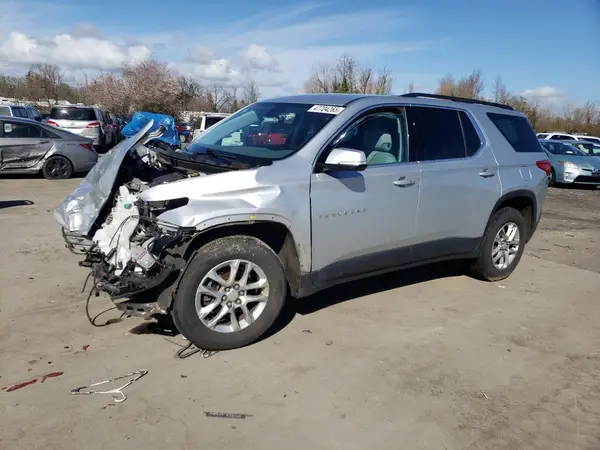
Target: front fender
224 218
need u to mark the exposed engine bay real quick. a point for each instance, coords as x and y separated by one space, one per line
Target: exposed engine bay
131 251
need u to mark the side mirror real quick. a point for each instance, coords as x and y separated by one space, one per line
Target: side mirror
345 159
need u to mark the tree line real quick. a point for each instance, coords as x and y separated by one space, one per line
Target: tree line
348 76
148 85
151 85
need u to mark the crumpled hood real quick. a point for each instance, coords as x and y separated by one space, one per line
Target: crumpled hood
204 186
80 209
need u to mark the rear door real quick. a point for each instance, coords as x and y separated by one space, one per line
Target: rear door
459 181
22 145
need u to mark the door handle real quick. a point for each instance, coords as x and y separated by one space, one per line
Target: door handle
487 173
42 142
404 182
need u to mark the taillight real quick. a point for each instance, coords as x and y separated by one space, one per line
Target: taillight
545 165
93 125
89 147
53 123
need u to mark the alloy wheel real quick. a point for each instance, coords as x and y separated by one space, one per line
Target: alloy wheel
232 295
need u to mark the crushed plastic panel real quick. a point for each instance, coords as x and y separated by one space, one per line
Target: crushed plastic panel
80 209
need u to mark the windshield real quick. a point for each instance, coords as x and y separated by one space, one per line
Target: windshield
86 114
563 149
264 130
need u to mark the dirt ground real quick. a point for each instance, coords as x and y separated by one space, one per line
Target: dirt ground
423 359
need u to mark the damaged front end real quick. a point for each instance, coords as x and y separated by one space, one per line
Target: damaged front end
132 254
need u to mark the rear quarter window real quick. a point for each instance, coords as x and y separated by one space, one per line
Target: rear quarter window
517 131
5 111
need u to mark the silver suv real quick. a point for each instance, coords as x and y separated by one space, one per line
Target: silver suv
88 121
292 195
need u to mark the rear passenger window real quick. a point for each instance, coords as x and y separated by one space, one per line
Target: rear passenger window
472 140
517 131
435 134
18 130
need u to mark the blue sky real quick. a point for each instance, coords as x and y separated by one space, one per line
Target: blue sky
549 49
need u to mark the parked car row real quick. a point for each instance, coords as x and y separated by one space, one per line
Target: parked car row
562 136
573 161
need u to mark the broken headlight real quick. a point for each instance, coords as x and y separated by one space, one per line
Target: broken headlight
163 206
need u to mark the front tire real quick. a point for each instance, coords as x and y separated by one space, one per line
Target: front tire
502 247
57 168
231 294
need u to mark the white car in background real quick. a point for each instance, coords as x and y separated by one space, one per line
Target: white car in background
562 136
206 121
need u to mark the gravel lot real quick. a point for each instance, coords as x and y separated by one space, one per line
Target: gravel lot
424 359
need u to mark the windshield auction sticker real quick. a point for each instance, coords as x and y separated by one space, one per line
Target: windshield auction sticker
326 109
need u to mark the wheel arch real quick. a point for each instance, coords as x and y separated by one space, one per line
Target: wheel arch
522 200
276 235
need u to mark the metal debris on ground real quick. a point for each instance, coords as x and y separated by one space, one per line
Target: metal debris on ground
32 381
328 343
51 375
191 349
20 385
224 415
114 392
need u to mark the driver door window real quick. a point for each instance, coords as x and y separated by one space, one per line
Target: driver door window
381 135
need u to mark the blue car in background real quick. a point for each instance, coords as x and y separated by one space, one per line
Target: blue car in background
571 165
169 136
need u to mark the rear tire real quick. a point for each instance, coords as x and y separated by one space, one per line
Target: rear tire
552 178
57 168
489 266
243 320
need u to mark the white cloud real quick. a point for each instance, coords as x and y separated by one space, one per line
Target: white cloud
543 92
278 51
257 57
69 51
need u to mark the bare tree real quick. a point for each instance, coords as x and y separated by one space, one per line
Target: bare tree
251 93
447 86
348 77
471 86
108 90
151 86
189 92
45 80
410 88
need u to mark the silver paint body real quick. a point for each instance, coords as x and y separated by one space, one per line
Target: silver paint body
342 215
339 216
28 155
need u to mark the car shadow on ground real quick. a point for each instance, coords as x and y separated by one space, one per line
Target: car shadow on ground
332 296
357 289
13 203
36 176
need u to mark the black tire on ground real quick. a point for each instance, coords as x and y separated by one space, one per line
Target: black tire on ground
552 178
483 267
209 256
57 168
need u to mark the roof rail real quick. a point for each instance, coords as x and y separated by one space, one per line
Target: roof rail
457 99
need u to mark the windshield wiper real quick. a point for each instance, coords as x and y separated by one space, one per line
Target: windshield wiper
220 155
